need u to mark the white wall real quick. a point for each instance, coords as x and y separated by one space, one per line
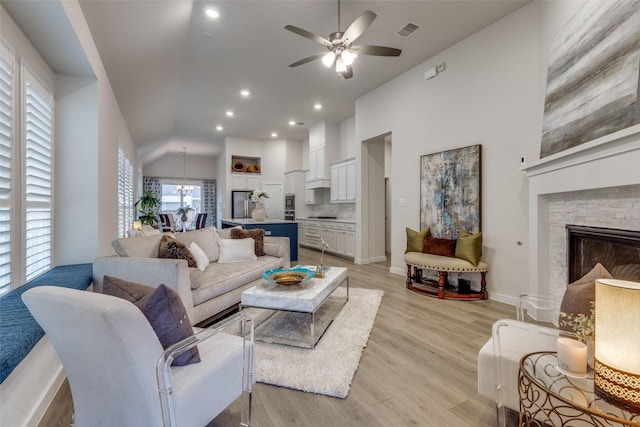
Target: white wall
221 184
347 138
274 160
112 132
491 93
76 198
173 166
293 153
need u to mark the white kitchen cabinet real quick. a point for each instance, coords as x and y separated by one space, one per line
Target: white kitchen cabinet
320 158
302 233
340 236
254 182
330 237
241 181
289 184
341 242
343 181
310 197
350 240
351 181
334 183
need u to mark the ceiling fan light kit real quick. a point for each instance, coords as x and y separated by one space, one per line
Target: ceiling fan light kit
342 52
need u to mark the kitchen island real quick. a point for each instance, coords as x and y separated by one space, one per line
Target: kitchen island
271 227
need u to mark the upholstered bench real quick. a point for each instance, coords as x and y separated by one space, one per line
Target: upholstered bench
417 261
30 371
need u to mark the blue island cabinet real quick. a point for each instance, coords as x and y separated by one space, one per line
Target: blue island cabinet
280 228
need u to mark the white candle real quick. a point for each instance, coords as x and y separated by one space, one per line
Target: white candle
572 356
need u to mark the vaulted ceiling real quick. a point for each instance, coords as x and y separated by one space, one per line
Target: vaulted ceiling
175 72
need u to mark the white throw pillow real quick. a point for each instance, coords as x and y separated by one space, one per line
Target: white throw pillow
148 230
201 258
236 250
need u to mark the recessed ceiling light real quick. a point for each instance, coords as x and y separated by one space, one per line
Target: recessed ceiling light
274 135
219 128
292 122
245 92
229 113
318 106
212 13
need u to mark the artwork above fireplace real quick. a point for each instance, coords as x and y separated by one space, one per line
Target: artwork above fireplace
616 249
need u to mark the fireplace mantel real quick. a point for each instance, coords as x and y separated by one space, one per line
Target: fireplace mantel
612 161
623 141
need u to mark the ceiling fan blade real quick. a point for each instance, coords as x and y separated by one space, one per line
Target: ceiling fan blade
359 26
347 74
376 50
308 59
310 36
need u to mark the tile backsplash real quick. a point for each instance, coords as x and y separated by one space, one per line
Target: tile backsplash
324 207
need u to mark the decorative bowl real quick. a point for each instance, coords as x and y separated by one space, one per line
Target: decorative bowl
288 276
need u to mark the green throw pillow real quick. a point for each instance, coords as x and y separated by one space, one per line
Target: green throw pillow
469 247
415 239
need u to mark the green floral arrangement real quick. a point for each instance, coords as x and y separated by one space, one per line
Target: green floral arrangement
582 325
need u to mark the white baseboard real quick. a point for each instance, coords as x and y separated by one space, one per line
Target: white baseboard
507 299
29 390
398 271
369 260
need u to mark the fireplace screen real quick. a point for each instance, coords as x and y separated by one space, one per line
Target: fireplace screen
617 250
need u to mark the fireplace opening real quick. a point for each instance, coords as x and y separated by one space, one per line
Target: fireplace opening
617 250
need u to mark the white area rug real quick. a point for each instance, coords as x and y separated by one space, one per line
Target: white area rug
330 366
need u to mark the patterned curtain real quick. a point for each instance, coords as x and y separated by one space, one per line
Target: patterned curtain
150 183
209 201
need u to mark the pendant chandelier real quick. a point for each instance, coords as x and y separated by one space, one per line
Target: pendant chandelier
183 188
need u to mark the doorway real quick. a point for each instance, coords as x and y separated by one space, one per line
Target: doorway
376 203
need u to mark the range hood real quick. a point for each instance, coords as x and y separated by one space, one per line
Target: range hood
312 184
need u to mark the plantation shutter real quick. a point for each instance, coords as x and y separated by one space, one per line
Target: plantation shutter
6 142
38 176
125 194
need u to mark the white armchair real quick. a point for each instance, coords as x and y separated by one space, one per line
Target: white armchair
119 373
499 358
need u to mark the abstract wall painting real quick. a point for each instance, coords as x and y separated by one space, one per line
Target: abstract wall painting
592 79
450 191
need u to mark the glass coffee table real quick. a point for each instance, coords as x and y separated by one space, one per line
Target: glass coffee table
551 398
297 315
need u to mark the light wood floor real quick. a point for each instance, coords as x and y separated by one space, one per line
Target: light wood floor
418 369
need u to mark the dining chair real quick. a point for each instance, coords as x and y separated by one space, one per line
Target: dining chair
201 220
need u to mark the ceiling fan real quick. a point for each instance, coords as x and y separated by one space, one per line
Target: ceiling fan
340 48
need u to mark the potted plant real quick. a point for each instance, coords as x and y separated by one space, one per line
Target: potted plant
148 203
182 212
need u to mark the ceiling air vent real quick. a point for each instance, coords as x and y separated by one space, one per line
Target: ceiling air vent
408 29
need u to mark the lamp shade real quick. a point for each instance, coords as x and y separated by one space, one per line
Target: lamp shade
617 357
328 58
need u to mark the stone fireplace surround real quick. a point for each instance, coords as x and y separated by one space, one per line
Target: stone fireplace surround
594 184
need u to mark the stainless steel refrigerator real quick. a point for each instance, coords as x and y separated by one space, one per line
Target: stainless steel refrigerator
241 205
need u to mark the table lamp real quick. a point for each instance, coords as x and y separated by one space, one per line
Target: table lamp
137 225
617 357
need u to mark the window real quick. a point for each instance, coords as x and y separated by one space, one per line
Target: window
125 194
26 172
6 142
38 178
175 195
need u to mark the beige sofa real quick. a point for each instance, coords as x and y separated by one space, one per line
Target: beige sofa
205 294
